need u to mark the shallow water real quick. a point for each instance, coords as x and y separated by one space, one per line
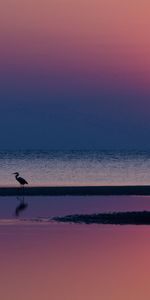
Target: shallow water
75 167
81 262
49 260
48 207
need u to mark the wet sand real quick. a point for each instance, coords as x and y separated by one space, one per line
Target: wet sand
75 190
116 218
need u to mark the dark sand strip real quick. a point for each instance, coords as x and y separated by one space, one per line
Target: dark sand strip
75 190
116 218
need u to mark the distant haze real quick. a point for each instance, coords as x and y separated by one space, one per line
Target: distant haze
74 74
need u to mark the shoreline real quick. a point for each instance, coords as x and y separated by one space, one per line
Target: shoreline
114 218
130 190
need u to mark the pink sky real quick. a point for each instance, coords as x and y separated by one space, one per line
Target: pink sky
99 39
87 61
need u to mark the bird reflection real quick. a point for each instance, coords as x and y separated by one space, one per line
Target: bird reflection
21 207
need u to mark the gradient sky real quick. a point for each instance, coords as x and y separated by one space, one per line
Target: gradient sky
75 74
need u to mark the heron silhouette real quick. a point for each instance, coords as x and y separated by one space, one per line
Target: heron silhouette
21 180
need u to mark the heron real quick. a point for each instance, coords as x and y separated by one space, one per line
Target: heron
21 180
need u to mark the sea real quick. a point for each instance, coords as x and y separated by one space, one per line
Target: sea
75 167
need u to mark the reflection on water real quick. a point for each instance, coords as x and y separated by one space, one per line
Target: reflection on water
21 206
49 260
60 206
74 262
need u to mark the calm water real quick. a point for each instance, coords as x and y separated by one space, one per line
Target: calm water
74 262
75 167
47 207
47 260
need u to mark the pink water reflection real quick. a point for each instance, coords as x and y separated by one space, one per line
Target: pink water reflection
74 262
59 206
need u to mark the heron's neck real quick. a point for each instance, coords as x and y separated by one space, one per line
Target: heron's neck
17 175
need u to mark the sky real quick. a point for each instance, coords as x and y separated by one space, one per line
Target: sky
74 74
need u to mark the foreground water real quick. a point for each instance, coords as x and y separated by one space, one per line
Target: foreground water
49 260
75 167
37 208
74 262
56 261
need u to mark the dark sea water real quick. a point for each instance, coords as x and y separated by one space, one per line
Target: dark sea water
75 167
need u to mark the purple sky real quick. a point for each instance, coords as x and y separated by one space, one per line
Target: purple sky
74 76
